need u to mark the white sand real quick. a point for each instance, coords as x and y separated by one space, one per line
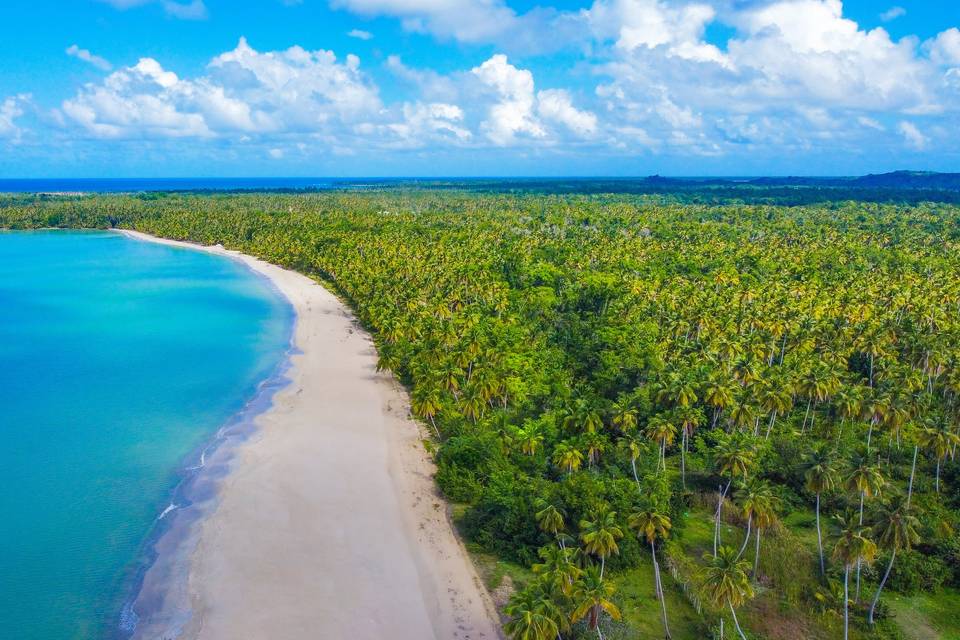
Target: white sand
329 526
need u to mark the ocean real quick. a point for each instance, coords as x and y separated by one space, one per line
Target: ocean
119 361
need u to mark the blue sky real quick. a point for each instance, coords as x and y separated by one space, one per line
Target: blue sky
100 88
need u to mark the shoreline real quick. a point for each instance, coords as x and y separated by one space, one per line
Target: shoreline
325 521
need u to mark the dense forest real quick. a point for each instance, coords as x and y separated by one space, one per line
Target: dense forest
654 418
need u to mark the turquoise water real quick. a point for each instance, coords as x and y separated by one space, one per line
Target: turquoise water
118 358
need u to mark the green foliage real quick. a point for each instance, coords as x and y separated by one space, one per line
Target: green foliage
915 572
614 353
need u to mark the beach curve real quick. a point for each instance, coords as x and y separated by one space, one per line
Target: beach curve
329 524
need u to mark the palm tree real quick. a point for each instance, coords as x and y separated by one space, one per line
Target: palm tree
568 457
759 504
689 419
550 520
425 402
852 548
651 524
865 478
632 445
534 615
725 582
624 415
940 440
734 457
600 535
530 439
559 566
895 529
662 431
820 478
591 596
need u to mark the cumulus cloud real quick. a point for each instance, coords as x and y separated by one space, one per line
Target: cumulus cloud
945 48
650 24
893 13
85 55
243 91
11 109
465 20
192 10
360 34
795 76
513 113
557 106
429 123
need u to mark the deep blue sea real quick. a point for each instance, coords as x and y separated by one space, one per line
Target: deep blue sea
119 359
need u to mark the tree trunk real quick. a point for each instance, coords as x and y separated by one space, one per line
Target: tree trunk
773 421
743 547
736 622
683 460
716 524
633 464
886 575
823 570
846 602
913 471
756 555
603 561
856 597
937 483
658 585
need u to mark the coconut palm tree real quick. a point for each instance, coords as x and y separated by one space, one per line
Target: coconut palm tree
733 457
661 430
864 477
550 520
939 440
530 439
591 597
651 525
567 457
759 504
725 582
533 615
426 403
853 547
895 528
600 535
821 477
559 566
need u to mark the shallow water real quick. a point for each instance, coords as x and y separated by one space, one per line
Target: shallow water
118 360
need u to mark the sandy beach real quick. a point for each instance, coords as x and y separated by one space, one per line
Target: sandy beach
328 524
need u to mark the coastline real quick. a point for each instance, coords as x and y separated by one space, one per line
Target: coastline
325 521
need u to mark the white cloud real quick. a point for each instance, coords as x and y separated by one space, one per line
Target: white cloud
275 153
244 91
192 10
913 136
360 34
85 55
464 20
555 105
945 48
195 10
513 113
870 123
649 24
430 123
11 109
893 13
